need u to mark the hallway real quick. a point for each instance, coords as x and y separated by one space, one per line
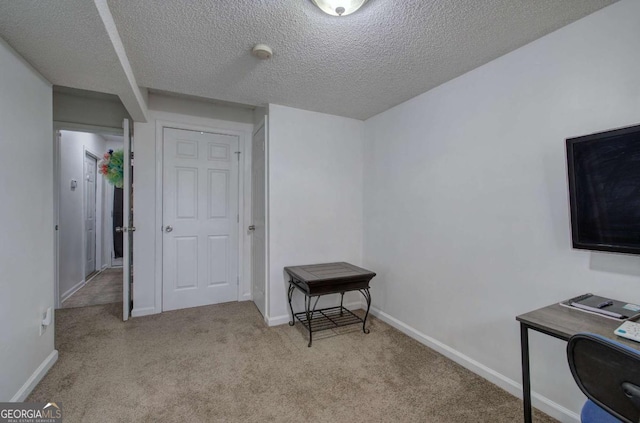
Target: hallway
105 288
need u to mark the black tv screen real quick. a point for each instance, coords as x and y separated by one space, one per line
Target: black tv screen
604 190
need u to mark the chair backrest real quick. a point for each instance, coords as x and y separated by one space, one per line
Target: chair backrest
608 373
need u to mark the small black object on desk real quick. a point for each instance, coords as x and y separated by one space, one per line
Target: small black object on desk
315 280
601 305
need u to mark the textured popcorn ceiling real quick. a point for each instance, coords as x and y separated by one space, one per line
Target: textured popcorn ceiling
68 43
65 40
356 66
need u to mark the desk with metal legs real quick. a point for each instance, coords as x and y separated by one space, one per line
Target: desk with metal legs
562 323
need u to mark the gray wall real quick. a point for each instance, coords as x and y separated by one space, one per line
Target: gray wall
200 108
88 108
71 243
26 250
466 211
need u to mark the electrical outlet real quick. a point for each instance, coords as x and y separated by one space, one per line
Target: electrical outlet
46 320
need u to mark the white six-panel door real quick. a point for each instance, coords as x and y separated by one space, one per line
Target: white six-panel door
200 219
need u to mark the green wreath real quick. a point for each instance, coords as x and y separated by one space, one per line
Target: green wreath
112 167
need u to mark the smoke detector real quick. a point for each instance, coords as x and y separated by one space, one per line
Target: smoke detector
262 51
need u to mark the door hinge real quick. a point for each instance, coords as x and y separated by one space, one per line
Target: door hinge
56 227
238 153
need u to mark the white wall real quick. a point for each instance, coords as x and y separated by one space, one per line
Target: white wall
71 237
200 108
26 252
259 115
147 292
88 108
315 195
465 204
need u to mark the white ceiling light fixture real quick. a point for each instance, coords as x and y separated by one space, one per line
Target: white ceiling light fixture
339 7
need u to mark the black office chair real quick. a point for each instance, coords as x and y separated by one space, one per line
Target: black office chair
608 373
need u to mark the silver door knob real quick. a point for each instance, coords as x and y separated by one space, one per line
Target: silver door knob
168 229
252 227
132 228
119 229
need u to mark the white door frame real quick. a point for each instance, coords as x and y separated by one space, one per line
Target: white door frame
127 219
244 202
264 122
57 127
84 215
56 217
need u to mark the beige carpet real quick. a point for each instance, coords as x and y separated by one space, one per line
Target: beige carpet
223 364
105 288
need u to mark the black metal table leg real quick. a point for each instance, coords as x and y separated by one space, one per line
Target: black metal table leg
289 295
307 304
367 296
341 301
526 379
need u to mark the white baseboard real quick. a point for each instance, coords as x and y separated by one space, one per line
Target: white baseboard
65 295
551 408
36 377
278 320
146 311
246 297
285 318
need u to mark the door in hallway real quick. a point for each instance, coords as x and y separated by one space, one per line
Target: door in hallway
90 167
200 219
258 245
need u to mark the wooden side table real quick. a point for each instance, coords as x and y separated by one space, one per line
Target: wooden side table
316 280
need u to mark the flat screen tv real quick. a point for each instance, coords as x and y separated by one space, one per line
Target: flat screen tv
604 190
